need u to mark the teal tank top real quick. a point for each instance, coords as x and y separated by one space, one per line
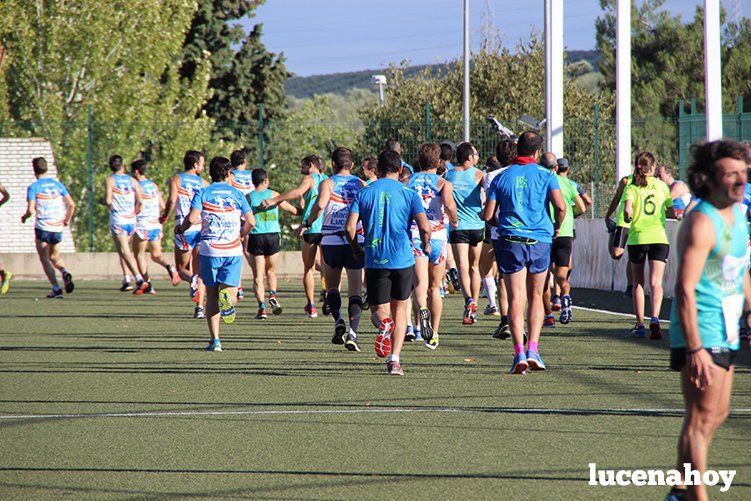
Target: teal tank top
721 281
311 197
267 221
468 198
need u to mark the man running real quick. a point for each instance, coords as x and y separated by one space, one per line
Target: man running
679 191
521 194
407 170
122 195
466 236
148 228
712 291
488 267
182 189
5 275
368 169
263 242
386 209
242 181
53 206
334 200
219 210
436 195
312 177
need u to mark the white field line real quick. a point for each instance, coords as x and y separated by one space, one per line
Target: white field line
616 313
395 410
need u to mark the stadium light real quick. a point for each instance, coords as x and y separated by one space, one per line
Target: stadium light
532 122
380 81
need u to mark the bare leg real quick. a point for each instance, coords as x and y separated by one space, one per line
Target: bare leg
461 254
44 258
435 302
156 253
638 291
421 283
516 285
309 252
502 297
656 272
122 246
474 270
399 314
535 284
257 266
55 259
182 264
212 310
139 250
270 263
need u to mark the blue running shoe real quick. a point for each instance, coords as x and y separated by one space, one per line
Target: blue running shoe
409 336
535 361
520 364
214 345
638 332
566 313
418 336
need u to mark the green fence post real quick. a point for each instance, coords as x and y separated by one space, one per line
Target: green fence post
739 130
90 164
596 155
427 122
260 136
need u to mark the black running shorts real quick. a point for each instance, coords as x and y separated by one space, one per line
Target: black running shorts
312 238
385 285
263 244
619 237
341 256
722 357
471 237
654 252
560 254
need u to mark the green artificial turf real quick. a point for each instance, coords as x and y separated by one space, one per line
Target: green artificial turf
283 413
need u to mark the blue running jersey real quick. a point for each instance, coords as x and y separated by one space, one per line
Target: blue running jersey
468 197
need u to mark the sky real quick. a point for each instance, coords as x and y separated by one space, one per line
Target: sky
331 36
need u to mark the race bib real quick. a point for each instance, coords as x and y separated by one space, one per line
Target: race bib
732 309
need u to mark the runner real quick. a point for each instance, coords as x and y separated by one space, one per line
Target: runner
148 228
310 168
505 152
182 189
122 195
407 170
563 244
438 203
447 157
521 195
368 170
712 289
263 242
243 182
488 267
334 200
50 202
618 231
466 236
549 161
5 275
646 201
219 209
679 191
386 209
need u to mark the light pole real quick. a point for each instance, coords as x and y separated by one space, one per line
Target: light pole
712 69
554 76
380 81
623 88
465 97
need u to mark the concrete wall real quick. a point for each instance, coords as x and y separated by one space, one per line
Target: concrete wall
16 175
593 267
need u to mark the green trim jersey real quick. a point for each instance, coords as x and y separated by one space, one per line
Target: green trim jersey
569 193
648 221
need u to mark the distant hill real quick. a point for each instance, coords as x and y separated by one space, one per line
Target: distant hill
340 83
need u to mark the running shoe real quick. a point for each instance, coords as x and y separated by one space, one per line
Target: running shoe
68 282
198 312
214 345
433 343
655 331
549 321
351 342
426 327
142 289
442 291
365 304
520 364
340 332
628 292
126 286
276 308
555 304
453 275
194 288
638 332
262 314
311 311
503 331
326 310
418 336
240 293
174 276
470 313
566 315
491 310
394 368
151 290
56 293
226 308
534 360
409 336
382 343
5 285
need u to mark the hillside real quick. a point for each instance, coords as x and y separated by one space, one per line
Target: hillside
341 83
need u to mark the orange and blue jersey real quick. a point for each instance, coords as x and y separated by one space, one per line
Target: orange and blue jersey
123 206
425 185
148 218
48 196
243 180
221 207
343 192
188 186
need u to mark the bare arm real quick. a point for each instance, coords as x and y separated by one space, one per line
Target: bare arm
424 226
449 204
30 210
249 224
616 198
4 195
171 200
306 184
70 209
108 185
194 217
324 194
489 214
137 194
350 229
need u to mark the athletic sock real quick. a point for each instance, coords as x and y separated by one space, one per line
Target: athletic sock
334 300
63 271
355 312
518 349
261 305
490 288
139 279
126 279
533 346
393 358
504 319
145 277
272 293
